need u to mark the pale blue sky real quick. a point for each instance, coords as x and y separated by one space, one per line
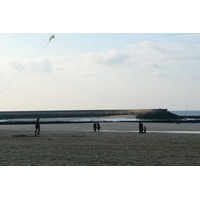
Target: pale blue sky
76 43
105 55
100 71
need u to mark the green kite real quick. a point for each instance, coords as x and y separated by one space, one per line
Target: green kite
51 38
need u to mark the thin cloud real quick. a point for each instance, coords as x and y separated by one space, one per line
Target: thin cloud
117 77
43 66
149 64
186 75
15 65
150 46
90 76
157 74
113 57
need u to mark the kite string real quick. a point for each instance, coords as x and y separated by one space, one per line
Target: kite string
23 68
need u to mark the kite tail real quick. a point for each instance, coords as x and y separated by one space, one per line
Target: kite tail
23 67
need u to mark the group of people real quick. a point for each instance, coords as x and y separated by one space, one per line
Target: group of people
142 129
96 126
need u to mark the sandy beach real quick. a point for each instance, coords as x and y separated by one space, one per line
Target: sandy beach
117 144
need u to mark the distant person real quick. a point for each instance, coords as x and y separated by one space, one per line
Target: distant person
140 127
145 129
37 126
98 126
95 127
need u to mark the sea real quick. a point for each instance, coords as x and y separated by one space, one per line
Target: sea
186 112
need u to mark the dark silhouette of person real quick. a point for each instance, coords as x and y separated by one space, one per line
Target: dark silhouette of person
145 129
37 126
140 127
95 127
98 126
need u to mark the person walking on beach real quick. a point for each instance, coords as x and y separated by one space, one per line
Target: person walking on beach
140 127
95 127
98 126
37 126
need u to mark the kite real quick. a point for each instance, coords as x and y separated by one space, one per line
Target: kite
53 36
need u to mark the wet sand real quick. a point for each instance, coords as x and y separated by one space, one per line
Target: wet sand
118 144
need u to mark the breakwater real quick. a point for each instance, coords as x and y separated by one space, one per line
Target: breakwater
74 113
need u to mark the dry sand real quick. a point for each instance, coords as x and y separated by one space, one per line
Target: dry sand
118 144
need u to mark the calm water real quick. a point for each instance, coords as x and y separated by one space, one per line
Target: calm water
186 112
81 119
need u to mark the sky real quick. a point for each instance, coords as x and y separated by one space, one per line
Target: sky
138 57
100 71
